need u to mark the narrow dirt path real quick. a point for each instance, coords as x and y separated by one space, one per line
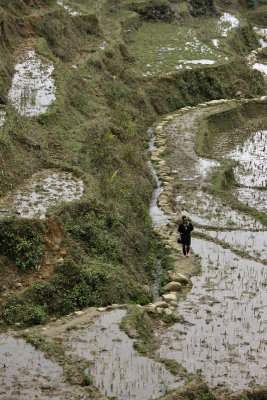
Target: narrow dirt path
226 301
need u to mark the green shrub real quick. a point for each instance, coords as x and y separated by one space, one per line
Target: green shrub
244 40
12 309
206 396
91 224
34 315
201 7
40 293
251 4
157 10
65 305
22 240
87 380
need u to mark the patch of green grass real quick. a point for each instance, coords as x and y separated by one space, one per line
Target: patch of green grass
162 48
141 323
23 241
87 380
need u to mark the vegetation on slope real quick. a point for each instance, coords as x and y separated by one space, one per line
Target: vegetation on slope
96 129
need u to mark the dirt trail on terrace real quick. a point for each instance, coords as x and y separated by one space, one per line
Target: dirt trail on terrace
218 299
178 132
25 379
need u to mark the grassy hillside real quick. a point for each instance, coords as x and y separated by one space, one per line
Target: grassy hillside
96 128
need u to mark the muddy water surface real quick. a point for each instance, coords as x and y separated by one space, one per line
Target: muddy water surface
33 86
226 23
25 374
68 8
252 197
118 370
41 191
207 210
253 243
225 335
260 67
252 159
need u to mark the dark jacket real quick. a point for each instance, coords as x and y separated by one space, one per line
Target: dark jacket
185 233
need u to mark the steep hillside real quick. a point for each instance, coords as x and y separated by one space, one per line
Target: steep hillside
100 248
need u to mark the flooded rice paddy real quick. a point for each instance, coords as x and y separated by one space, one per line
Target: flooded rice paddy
118 370
68 9
252 197
206 210
224 337
252 243
33 86
263 43
224 334
25 373
252 159
38 193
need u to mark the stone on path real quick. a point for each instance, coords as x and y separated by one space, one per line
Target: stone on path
169 297
168 311
161 304
172 287
177 277
150 309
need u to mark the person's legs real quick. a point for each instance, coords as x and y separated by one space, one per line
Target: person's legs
184 251
188 246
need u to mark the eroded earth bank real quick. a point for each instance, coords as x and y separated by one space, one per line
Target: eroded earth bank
117 118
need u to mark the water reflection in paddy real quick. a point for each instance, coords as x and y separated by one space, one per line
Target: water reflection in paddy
43 189
253 243
225 334
252 158
207 210
118 370
33 86
252 197
25 374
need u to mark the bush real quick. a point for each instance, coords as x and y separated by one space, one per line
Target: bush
65 305
34 315
201 7
91 225
40 293
12 309
22 240
157 10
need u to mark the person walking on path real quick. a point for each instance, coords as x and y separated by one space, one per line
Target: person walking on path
185 229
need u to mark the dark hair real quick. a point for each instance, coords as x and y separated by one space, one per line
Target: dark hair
183 217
